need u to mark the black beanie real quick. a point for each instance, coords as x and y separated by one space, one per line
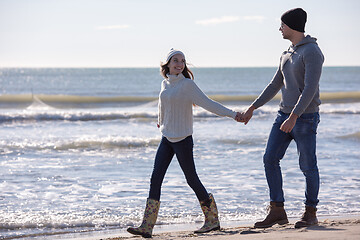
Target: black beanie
295 19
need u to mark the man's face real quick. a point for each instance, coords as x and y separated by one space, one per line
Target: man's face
285 31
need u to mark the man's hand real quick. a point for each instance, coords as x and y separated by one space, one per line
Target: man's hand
246 116
289 123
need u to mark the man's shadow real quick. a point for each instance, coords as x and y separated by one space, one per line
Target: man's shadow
323 228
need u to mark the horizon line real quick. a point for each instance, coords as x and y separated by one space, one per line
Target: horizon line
191 67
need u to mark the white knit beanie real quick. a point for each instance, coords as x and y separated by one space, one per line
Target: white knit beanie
172 53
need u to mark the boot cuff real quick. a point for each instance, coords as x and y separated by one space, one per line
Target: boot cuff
277 204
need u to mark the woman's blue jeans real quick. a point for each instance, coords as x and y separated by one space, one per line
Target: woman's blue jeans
184 154
304 134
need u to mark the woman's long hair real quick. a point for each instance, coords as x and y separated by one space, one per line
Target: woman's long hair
164 70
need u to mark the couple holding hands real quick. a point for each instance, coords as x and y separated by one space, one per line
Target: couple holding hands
297 77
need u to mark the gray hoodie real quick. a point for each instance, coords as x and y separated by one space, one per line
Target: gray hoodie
298 78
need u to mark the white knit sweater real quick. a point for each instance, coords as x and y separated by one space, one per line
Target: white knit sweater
176 99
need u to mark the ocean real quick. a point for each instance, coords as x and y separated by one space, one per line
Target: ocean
77 148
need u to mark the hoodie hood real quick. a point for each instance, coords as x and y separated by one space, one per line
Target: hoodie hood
307 39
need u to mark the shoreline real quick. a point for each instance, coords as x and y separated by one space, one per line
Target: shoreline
329 227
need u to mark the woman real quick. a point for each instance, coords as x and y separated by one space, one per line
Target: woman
177 96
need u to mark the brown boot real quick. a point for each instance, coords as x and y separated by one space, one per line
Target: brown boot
308 218
276 214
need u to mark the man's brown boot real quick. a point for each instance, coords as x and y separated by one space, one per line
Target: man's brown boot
308 218
276 214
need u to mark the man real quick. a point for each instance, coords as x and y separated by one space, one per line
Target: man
298 78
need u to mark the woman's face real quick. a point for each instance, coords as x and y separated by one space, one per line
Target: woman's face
176 64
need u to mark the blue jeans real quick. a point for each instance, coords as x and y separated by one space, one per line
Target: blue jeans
304 134
184 154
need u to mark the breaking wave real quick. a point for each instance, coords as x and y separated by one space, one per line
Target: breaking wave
325 97
82 144
40 109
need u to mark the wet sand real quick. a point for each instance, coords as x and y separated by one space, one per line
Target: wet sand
328 228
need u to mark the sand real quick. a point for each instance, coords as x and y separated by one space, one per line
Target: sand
326 229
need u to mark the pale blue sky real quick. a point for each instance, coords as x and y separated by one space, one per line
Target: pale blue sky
139 33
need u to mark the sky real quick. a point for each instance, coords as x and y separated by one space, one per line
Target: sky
139 33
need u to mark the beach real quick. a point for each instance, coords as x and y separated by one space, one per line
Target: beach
328 228
77 150
82 129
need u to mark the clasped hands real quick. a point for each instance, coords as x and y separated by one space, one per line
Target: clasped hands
287 126
245 116
240 117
